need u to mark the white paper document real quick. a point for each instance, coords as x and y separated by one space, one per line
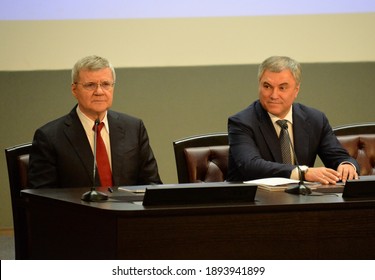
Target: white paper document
274 181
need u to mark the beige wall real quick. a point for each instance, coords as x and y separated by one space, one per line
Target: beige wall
31 45
182 77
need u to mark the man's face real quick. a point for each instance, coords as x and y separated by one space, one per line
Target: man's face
277 92
94 100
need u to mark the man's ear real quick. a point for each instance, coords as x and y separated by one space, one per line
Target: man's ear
297 90
74 89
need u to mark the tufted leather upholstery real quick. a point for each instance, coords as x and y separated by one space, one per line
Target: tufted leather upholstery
207 164
359 141
362 148
202 158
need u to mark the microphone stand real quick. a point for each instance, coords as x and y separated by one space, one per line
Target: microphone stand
301 188
93 195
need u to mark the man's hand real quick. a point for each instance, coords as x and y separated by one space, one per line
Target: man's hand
328 176
347 172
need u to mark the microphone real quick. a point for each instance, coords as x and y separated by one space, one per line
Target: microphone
93 195
301 188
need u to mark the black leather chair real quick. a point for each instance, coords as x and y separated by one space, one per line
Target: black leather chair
202 158
359 141
17 158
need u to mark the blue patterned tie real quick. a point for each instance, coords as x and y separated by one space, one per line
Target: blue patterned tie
284 141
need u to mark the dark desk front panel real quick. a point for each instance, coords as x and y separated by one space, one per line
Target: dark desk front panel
342 234
275 226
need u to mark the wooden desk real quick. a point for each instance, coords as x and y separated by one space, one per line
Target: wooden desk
276 226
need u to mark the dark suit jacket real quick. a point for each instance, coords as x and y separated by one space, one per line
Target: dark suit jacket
255 150
61 155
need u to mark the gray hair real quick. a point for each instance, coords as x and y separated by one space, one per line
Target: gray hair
279 63
91 63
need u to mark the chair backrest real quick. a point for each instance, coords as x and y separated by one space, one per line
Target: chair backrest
202 158
359 141
17 158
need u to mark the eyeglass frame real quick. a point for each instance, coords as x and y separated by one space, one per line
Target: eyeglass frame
88 84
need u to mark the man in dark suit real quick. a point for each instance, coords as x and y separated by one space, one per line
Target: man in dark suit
62 150
255 150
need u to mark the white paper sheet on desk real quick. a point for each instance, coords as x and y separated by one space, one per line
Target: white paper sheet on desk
134 189
275 181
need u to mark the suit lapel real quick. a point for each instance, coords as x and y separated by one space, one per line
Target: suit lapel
301 128
269 134
77 137
117 139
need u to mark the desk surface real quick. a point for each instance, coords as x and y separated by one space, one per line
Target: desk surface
276 225
129 203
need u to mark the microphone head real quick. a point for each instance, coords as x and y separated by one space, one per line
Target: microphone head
97 121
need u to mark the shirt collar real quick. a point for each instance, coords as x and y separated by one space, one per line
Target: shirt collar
288 117
87 122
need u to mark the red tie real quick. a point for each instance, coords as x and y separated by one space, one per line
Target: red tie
102 161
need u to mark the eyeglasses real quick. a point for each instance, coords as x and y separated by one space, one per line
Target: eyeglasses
91 86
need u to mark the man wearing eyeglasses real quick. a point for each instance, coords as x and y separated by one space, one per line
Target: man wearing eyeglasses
62 153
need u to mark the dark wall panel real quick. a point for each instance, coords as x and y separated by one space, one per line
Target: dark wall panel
176 102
